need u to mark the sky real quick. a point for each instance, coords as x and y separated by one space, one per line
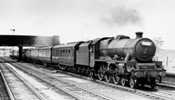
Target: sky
77 20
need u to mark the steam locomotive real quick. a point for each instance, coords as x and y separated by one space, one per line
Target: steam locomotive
119 60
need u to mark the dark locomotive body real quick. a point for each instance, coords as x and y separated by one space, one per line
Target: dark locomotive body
132 60
120 60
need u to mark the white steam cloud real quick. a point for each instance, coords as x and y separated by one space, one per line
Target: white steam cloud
122 16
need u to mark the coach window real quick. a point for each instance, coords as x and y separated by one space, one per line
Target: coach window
58 52
43 51
66 52
63 52
43 54
69 52
55 52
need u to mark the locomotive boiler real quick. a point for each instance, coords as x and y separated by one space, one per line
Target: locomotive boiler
141 49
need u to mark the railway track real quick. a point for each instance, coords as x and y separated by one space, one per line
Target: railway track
83 91
77 92
12 82
166 84
22 89
164 92
160 94
5 93
74 91
7 60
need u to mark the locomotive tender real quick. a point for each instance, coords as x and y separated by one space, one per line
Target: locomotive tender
120 60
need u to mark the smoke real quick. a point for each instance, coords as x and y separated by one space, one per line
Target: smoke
46 41
122 16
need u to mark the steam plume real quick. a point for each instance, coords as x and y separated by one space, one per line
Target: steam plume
46 41
122 16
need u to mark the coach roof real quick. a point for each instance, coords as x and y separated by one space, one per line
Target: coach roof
73 44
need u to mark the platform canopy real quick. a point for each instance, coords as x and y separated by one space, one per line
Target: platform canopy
27 40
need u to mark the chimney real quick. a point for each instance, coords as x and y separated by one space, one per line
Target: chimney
139 35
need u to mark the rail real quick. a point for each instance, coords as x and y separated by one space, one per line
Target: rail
10 94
